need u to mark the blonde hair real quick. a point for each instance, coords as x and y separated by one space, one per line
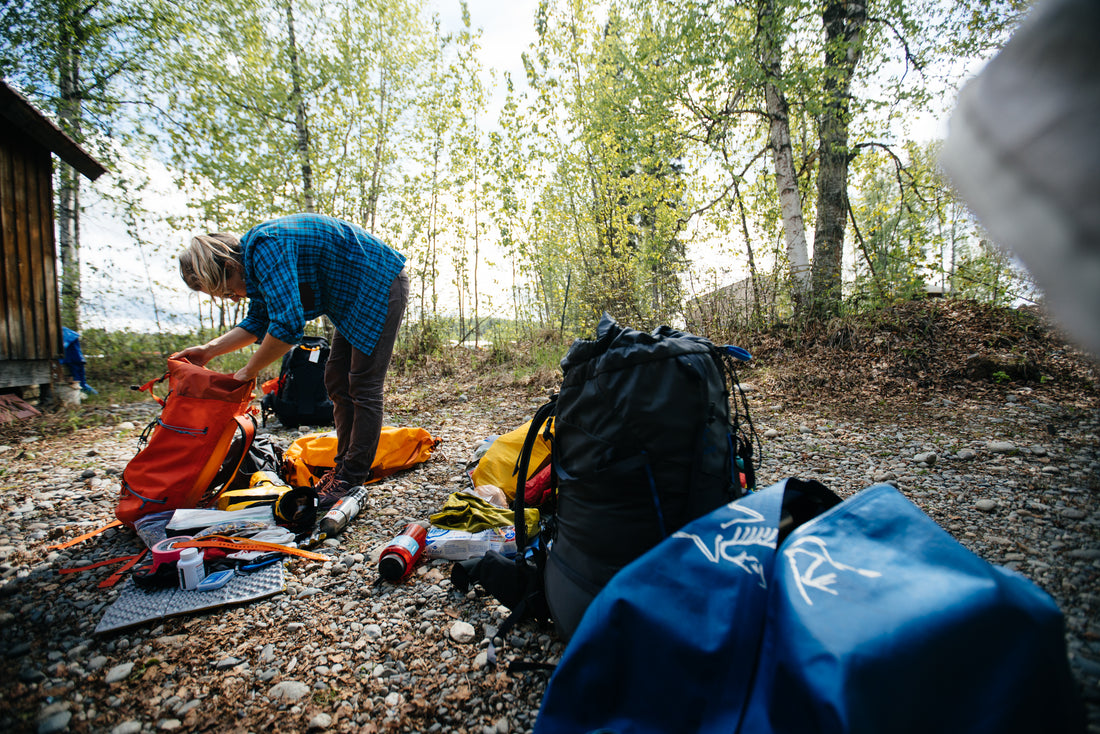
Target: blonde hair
204 265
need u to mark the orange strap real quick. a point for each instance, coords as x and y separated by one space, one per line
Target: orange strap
148 387
108 562
82 538
247 544
113 578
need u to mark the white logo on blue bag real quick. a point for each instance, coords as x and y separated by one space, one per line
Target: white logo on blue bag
748 532
806 557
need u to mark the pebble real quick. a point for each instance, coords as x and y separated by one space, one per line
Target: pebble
986 505
320 722
463 632
288 690
119 673
53 720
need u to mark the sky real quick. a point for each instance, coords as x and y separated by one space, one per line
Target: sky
125 285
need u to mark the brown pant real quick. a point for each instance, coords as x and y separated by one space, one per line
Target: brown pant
354 381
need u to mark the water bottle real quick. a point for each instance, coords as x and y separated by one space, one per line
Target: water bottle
400 555
343 512
190 568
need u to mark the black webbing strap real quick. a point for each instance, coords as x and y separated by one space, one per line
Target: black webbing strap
523 462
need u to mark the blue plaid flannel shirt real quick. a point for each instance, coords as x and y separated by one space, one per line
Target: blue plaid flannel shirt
300 267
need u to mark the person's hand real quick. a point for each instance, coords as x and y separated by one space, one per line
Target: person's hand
198 356
242 375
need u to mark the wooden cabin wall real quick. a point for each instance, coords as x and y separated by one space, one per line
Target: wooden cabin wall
30 325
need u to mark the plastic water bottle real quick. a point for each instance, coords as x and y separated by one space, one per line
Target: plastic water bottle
190 568
343 512
400 555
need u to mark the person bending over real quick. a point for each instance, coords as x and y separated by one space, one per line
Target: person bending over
294 269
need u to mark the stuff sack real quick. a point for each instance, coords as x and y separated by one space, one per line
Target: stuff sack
298 397
497 467
193 448
785 612
307 459
644 441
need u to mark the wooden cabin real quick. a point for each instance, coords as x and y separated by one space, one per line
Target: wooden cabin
30 319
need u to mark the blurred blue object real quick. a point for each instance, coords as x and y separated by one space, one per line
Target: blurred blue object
73 358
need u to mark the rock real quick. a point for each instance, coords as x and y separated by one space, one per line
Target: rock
289 691
119 673
986 505
57 721
966 454
462 632
393 699
1000 447
127 727
31 675
928 457
772 433
372 631
320 721
18 649
169 724
126 426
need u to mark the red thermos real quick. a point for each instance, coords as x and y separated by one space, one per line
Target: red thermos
401 554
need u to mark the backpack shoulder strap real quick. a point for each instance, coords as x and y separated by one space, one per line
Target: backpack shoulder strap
523 463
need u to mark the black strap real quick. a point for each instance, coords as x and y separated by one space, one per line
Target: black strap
523 462
516 666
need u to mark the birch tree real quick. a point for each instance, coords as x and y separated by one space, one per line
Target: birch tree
82 62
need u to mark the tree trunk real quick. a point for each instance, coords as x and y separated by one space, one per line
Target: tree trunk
757 318
844 21
299 102
379 152
68 204
779 139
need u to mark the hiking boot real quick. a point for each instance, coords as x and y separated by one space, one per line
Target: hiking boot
329 491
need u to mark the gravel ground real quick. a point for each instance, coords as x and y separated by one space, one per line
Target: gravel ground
1015 480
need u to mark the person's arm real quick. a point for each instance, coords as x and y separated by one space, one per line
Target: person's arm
232 340
271 349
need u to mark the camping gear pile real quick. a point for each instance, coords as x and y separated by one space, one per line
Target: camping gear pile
693 602
207 496
626 516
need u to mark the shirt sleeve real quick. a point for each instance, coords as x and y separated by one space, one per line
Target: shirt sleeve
255 321
275 270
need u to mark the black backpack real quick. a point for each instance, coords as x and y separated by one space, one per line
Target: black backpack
643 442
299 397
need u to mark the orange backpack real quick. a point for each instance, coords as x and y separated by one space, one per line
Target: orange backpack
193 448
